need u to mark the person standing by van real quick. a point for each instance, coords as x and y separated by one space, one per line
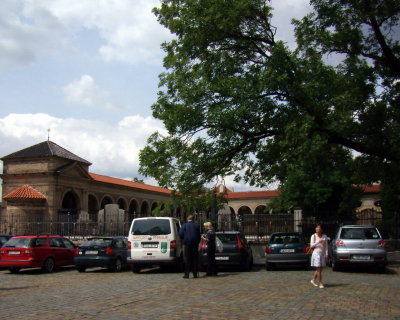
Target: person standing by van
190 235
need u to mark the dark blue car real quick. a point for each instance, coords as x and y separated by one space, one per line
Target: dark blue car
286 248
106 252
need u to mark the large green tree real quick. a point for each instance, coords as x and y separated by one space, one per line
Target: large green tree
237 101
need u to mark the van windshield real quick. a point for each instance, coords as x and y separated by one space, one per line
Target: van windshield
151 227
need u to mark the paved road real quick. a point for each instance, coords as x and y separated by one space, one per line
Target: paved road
282 294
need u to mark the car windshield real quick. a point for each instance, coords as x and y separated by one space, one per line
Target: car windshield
285 238
18 243
96 243
227 238
359 233
151 227
3 240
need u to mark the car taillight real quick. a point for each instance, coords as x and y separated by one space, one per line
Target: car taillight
240 243
109 251
268 250
203 245
129 245
76 251
339 243
381 243
172 244
305 248
28 251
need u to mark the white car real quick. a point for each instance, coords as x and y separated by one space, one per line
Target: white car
154 241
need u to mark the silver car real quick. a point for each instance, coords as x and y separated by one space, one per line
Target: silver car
358 245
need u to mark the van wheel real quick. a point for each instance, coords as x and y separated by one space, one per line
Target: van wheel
49 265
14 270
117 266
135 268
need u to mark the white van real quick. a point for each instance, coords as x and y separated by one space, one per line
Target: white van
154 241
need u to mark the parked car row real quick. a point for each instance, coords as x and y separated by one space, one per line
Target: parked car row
155 241
358 245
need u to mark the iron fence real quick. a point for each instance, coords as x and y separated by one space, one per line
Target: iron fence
256 227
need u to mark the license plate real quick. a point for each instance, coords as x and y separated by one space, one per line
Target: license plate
149 245
222 258
91 252
14 252
361 257
287 250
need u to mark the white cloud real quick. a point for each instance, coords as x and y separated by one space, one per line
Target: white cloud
26 34
283 13
85 91
31 28
113 149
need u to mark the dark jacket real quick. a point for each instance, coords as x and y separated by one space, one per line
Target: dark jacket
210 238
190 233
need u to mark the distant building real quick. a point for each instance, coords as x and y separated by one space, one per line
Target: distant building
46 182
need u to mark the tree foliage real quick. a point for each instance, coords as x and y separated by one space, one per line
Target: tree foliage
237 101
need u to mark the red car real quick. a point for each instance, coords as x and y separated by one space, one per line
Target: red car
46 252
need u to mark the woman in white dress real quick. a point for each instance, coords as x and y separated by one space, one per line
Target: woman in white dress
319 242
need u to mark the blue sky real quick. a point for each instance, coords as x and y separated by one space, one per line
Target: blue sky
88 70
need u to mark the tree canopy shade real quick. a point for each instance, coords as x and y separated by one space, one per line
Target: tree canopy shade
237 101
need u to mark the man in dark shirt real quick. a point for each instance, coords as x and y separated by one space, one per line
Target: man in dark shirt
190 235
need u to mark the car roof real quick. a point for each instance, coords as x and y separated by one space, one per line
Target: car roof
285 233
358 226
39 236
107 238
227 232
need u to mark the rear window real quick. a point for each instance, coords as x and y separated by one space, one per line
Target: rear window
97 243
359 233
227 238
19 243
285 238
151 227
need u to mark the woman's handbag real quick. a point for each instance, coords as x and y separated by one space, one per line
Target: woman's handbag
310 250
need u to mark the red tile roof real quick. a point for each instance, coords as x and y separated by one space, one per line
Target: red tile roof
252 194
25 192
131 184
375 188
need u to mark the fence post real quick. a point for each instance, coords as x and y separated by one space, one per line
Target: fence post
298 217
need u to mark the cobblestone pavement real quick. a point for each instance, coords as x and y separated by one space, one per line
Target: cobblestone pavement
152 294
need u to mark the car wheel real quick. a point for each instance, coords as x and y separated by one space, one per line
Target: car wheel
268 266
381 268
117 266
14 270
135 268
248 265
48 265
335 266
81 269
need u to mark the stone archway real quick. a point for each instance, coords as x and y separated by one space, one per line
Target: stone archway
133 210
106 200
144 209
122 203
260 209
93 207
70 206
244 210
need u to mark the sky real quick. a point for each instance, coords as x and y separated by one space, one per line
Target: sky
88 71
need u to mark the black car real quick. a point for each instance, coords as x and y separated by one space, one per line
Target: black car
286 248
106 252
4 238
234 251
